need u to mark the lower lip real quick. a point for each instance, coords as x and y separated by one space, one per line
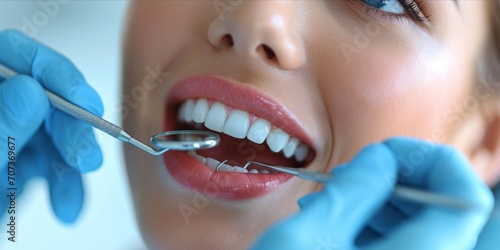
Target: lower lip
223 185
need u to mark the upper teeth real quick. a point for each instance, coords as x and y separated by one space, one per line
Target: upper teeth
237 123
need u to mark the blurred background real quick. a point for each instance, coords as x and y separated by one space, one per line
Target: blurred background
89 33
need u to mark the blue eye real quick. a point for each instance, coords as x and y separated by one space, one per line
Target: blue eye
392 6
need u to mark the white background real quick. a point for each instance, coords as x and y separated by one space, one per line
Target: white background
89 33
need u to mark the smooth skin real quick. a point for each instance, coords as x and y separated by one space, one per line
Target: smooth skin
407 78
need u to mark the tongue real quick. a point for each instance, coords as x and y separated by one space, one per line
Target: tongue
240 151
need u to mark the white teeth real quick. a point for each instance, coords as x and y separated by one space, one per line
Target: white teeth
277 139
259 131
237 124
229 168
216 117
180 113
290 147
200 111
201 159
188 110
212 163
301 152
225 168
240 169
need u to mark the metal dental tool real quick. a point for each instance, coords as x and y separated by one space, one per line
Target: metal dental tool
171 140
407 193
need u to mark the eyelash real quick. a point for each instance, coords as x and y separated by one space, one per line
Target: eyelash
413 7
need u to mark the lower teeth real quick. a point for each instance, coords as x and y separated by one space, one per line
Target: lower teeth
212 164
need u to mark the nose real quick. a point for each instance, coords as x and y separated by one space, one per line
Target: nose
262 30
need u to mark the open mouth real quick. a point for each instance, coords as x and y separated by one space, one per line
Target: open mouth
244 137
252 127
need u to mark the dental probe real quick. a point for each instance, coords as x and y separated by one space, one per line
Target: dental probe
407 193
209 139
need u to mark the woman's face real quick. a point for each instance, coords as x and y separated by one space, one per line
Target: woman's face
313 80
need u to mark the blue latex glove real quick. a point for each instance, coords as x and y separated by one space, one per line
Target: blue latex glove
489 238
356 211
48 142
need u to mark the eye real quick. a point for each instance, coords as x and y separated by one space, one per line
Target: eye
413 8
392 6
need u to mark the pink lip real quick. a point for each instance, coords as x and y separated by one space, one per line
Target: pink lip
227 185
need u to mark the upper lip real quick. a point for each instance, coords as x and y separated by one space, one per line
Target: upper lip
240 96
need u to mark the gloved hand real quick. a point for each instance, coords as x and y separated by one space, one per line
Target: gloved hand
355 210
48 143
489 237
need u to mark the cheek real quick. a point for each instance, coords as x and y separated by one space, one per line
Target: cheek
390 92
158 31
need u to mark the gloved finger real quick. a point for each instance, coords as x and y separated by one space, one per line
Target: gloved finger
303 230
65 186
364 177
440 169
446 171
12 185
496 193
23 107
59 75
388 218
366 236
395 212
54 71
77 146
398 210
496 212
40 158
417 159
66 191
338 204
488 239
29 163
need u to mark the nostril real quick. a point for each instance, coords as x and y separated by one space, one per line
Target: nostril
269 52
227 41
